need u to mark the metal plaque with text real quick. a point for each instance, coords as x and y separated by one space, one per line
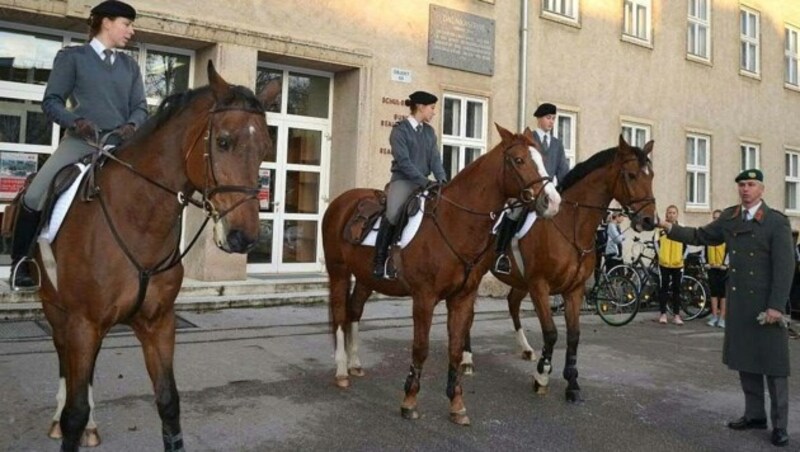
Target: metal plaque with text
460 40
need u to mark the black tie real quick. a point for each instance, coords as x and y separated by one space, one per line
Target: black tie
419 128
746 215
107 60
546 141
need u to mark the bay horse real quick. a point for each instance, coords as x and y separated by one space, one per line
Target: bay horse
118 259
558 254
446 260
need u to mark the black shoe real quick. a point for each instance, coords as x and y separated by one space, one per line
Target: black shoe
746 424
780 437
22 279
377 270
502 265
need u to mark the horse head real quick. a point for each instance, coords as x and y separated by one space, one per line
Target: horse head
633 186
224 165
546 199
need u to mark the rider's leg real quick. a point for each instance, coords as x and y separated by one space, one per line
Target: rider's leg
506 231
398 193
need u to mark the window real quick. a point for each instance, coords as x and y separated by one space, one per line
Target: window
636 20
565 128
792 181
636 134
699 32
792 56
749 154
750 39
463 131
697 168
565 8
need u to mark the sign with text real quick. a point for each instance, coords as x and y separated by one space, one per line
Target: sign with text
14 168
460 40
264 182
401 75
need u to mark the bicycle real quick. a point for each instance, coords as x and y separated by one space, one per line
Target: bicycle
615 299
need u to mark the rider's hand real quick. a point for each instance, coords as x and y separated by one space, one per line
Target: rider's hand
85 129
125 131
773 315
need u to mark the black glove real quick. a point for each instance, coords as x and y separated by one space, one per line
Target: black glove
85 129
125 131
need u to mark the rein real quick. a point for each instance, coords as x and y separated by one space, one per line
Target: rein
175 256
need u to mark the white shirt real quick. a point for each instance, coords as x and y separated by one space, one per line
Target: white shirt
753 210
413 121
100 48
541 134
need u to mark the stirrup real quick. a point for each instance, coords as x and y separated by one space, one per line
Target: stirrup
12 279
499 266
389 272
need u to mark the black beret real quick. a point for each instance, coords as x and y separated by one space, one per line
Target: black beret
114 8
421 98
544 110
750 174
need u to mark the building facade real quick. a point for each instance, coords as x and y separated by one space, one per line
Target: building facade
714 82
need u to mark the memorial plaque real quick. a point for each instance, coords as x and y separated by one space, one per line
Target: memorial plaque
460 40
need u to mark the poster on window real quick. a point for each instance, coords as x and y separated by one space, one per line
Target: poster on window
14 168
264 179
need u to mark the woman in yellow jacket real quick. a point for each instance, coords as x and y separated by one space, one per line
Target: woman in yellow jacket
670 262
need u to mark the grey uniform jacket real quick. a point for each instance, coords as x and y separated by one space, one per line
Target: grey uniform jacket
555 159
761 258
415 154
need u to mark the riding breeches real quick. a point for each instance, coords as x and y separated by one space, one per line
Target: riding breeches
69 151
399 191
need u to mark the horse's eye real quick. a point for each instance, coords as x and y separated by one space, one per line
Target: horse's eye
632 176
518 160
224 142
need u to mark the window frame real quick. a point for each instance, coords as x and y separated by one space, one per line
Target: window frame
630 35
693 169
462 142
571 152
557 12
745 150
697 22
745 39
634 126
792 179
789 56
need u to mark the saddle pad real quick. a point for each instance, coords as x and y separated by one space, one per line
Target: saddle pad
408 232
526 226
61 207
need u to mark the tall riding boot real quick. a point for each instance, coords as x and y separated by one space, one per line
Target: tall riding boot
504 235
25 229
382 243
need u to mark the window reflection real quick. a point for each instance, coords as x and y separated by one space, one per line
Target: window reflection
308 95
262 253
264 76
299 241
302 192
165 74
305 146
27 57
22 122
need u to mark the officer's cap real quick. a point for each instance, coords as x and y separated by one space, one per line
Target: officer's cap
750 174
544 110
114 8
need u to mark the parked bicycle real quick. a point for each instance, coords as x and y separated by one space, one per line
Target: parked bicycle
615 299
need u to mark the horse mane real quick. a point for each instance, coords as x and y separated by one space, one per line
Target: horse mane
594 162
175 103
475 164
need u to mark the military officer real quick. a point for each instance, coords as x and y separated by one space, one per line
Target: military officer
759 243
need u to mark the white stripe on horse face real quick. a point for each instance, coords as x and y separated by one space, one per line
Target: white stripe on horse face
537 158
252 130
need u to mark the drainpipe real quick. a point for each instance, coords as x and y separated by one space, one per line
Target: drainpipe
523 65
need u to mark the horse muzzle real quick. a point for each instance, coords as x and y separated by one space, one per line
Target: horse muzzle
232 240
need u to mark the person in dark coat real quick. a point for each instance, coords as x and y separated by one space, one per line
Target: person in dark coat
761 258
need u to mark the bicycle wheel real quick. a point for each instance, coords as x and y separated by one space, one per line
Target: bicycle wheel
616 300
626 271
693 297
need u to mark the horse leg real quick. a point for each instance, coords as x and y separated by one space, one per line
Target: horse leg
467 366
572 315
423 316
460 312
339 288
541 375
80 352
157 337
355 309
515 297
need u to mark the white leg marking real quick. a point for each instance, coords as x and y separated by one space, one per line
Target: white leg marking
340 355
91 423
544 378
353 362
61 398
524 346
466 359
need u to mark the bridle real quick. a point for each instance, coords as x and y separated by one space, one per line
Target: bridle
206 202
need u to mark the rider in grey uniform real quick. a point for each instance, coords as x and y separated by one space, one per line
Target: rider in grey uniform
416 155
106 89
555 162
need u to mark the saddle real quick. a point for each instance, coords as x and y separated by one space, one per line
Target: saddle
12 210
369 210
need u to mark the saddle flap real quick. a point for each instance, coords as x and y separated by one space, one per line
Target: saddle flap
367 212
12 210
61 182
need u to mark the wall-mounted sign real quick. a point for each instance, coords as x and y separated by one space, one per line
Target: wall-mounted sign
460 40
401 75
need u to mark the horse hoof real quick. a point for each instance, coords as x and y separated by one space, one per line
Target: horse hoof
540 389
574 396
90 438
342 382
409 413
467 369
528 355
356 372
55 431
460 418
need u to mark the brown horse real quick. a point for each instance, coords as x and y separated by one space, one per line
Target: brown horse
445 260
117 258
558 254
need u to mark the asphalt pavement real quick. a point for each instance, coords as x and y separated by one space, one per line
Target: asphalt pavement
262 380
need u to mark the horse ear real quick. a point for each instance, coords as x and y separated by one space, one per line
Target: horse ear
218 85
269 93
648 148
622 143
528 133
505 135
